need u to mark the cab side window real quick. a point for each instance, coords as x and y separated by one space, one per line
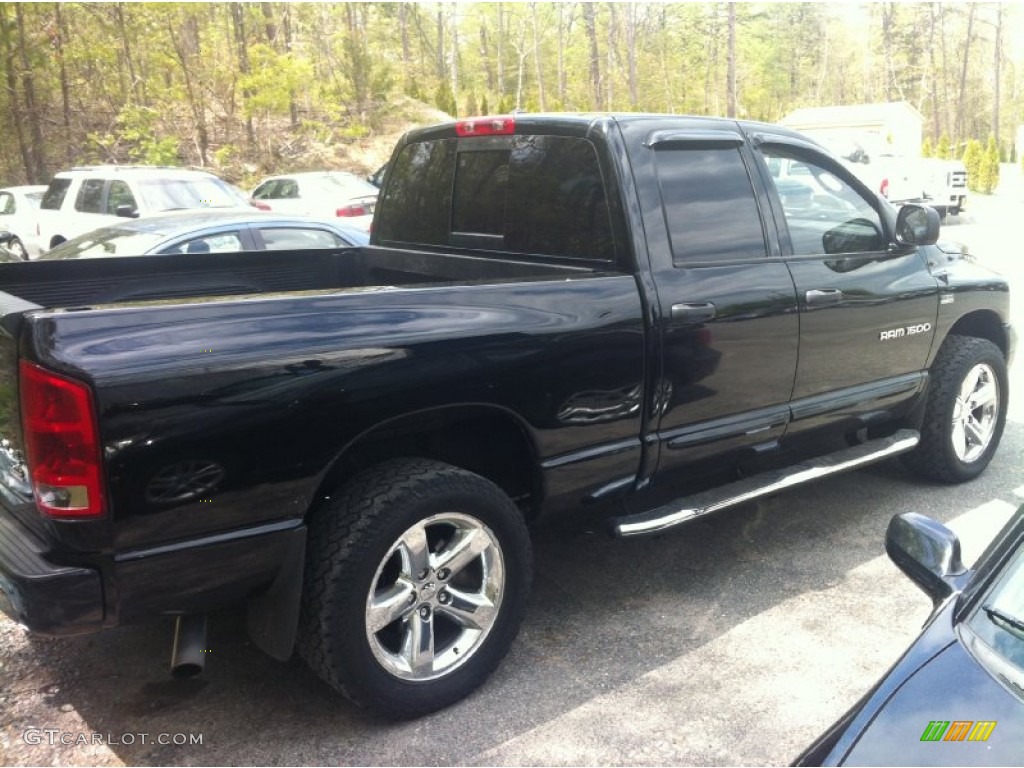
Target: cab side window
709 205
824 214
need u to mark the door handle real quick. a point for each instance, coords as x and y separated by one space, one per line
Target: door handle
693 313
823 296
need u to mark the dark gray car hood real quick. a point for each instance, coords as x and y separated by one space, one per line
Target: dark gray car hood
951 686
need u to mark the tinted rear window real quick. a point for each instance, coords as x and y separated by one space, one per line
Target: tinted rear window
54 196
709 204
539 195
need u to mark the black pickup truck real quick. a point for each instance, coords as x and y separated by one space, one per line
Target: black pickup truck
640 318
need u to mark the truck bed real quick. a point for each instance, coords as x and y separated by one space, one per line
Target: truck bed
87 282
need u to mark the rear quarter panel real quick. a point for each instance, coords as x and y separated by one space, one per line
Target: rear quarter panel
269 391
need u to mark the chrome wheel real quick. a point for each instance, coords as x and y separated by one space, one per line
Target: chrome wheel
975 413
435 596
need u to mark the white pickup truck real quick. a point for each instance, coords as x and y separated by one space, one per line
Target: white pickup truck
901 179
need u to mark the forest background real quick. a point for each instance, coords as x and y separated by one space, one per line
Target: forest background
247 89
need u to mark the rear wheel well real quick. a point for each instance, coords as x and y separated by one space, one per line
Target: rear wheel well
486 441
982 325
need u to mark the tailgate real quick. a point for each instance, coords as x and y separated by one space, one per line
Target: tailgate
15 490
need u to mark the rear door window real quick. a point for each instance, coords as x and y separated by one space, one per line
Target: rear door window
90 196
55 193
709 205
7 204
118 195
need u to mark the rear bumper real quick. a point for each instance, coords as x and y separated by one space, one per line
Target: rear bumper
47 598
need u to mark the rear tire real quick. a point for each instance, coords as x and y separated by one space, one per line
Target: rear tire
417 579
965 411
16 247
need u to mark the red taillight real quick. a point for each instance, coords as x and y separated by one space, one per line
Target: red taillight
259 204
61 443
486 126
884 188
353 210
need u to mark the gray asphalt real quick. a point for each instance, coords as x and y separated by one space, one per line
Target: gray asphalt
735 640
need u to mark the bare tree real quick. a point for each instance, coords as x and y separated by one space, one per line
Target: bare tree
731 66
963 74
536 58
590 22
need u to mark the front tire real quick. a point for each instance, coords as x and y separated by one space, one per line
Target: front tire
417 579
965 411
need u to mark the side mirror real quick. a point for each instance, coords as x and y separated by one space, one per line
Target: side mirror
917 225
126 212
928 552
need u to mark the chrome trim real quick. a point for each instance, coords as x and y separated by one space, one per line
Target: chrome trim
764 484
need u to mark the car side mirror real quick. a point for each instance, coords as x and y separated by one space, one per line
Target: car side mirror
126 212
928 552
917 225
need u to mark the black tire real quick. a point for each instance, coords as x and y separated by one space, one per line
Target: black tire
16 247
937 456
356 547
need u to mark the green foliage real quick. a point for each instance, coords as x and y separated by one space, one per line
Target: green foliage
444 99
926 148
471 107
988 168
314 72
273 80
972 161
137 140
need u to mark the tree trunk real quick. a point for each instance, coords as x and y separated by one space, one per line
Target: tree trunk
611 68
65 88
997 68
455 58
536 58
441 67
634 99
501 50
186 48
13 104
963 75
286 22
590 23
37 150
134 80
485 56
561 54
242 46
731 65
945 78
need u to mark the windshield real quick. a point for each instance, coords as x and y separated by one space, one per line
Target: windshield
201 192
108 241
997 623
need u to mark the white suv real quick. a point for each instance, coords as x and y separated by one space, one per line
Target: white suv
83 199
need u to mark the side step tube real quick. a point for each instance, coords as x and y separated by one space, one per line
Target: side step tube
764 484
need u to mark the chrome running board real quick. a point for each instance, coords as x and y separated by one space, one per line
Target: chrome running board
750 488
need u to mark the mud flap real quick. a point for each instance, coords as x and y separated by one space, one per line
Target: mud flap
273 616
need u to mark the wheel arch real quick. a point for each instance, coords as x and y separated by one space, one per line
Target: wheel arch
982 324
481 438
